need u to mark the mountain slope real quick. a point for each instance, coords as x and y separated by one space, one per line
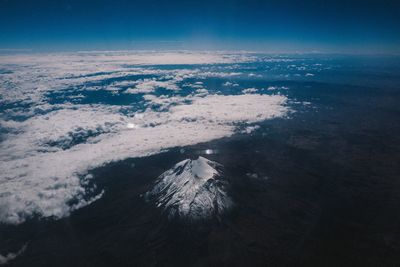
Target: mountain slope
193 189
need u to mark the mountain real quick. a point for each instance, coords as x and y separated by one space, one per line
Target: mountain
192 189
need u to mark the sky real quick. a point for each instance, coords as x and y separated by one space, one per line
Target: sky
268 26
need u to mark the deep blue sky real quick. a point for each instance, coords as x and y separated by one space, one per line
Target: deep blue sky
310 25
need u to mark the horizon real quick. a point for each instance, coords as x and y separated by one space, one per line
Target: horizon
14 52
348 27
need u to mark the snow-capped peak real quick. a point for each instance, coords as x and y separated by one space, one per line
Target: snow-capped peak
201 168
193 189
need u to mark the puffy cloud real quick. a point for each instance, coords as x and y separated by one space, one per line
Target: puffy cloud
148 86
30 77
44 161
249 90
48 148
230 84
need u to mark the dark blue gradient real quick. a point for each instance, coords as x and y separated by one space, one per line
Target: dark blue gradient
271 26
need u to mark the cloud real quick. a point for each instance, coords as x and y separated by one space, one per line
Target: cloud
250 129
255 75
149 86
249 90
42 164
273 88
10 256
48 149
230 84
30 77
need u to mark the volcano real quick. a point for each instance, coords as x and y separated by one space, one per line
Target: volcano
192 189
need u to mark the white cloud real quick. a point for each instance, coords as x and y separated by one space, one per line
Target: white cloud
273 88
250 129
42 179
249 90
10 256
150 85
49 148
32 76
230 84
201 92
254 75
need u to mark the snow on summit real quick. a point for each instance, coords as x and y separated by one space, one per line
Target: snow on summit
192 189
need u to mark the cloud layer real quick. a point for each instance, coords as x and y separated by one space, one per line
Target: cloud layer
48 147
